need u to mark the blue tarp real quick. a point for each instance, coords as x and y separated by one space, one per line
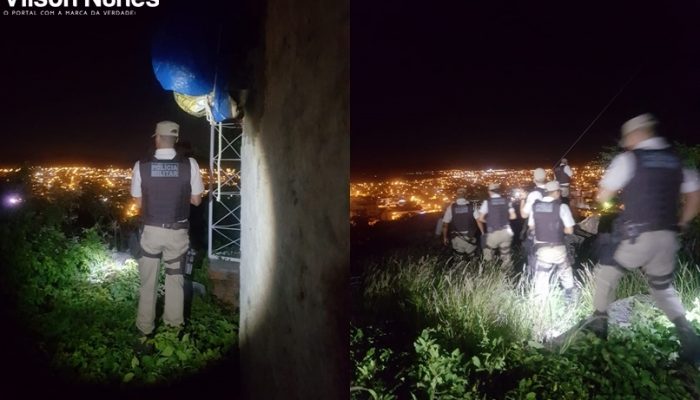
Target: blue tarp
191 54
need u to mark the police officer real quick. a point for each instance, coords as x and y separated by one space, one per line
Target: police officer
496 212
460 223
652 181
549 220
563 174
164 185
539 177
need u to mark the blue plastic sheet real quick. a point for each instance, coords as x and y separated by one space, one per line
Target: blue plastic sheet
191 54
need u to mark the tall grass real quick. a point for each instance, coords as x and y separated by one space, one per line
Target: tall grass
686 282
466 298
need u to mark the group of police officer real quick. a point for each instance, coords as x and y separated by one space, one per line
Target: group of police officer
493 219
652 182
649 175
464 219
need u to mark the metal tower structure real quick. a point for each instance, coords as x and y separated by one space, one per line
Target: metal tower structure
225 191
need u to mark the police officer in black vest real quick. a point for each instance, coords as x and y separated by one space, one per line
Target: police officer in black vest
563 174
550 219
652 180
164 185
539 177
460 223
496 212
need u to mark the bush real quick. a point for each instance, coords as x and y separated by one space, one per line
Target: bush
477 333
79 306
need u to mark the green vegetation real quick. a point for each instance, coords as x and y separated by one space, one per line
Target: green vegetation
430 328
78 304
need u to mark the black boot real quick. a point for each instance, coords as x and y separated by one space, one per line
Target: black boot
690 341
143 343
598 324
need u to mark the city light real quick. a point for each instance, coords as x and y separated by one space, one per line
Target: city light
132 210
113 184
12 200
425 192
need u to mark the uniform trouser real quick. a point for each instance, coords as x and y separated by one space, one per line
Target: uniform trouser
499 241
655 253
462 246
171 245
552 260
529 247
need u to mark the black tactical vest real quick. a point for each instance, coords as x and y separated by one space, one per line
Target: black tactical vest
542 191
497 216
463 219
166 190
653 194
561 176
549 227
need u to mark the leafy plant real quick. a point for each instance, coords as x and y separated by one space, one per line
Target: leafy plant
439 374
371 364
79 305
480 332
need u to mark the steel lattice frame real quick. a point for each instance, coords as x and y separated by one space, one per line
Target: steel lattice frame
225 191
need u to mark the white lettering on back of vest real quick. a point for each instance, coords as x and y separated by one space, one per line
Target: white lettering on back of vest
165 170
544 207
654 160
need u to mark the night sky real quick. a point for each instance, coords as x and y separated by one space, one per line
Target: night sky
493 84
433 84
81 90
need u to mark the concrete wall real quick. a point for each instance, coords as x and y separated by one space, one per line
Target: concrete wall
295 191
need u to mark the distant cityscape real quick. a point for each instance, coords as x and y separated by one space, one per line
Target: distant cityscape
114 184
414 193
431 191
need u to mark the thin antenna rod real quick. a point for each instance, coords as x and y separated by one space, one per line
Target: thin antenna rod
599 115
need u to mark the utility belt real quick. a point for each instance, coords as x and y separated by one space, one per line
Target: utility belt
173 225
540 245
464 236
496 229
628 230
607 243
186 259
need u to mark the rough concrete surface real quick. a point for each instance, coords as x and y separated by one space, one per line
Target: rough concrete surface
295 239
